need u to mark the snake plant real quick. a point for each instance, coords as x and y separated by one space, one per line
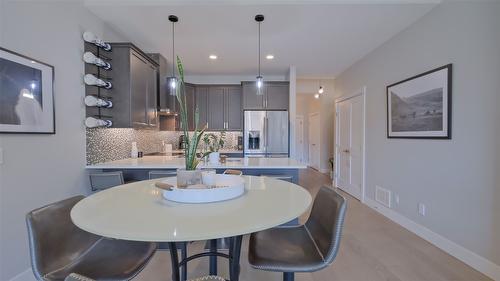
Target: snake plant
192 159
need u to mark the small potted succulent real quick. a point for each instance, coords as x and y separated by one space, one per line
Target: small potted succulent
214 144
189 175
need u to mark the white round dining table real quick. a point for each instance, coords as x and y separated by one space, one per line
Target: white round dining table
138 212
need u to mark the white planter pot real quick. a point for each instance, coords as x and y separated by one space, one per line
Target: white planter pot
214 158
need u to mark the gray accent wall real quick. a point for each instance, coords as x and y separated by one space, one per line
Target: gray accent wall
458 179
40 169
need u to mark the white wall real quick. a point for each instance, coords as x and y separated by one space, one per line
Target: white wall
39 169
457 179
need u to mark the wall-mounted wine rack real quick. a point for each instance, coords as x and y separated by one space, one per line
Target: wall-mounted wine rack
101 69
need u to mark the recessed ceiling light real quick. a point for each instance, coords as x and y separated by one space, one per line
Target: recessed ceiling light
212 57
270 57
316 96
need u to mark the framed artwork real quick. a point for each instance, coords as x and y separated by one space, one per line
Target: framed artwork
26 95
420 106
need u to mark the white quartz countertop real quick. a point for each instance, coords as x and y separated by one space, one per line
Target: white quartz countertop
173 162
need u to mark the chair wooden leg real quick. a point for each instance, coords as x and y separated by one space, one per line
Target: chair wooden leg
288 276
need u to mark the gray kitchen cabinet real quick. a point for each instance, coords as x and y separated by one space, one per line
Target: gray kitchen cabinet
220 107
201 102
216 108
234 111
250 98
134 79
190 104
152 95
275 95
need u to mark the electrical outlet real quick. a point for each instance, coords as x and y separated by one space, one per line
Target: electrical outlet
421 209
396 199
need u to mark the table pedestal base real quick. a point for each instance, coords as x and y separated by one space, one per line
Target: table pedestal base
233 257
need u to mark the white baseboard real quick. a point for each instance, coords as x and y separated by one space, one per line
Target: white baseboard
26 275
472 259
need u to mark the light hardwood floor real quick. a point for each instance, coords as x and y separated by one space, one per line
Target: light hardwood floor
373 248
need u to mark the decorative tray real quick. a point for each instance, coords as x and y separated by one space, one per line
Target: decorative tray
226 187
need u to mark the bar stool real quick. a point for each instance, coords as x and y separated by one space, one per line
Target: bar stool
283 177
306 248
233 172
58 247
154 174
101 181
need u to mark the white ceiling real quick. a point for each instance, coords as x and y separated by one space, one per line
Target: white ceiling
321 39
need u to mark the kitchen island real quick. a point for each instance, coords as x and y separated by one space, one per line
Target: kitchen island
138 168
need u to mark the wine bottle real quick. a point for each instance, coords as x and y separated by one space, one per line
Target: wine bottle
90 58
92 38
92 122
91 80
97 102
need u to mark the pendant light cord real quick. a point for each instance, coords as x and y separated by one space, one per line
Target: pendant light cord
259 48
173 49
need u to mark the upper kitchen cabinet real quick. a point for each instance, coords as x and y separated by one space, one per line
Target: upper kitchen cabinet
220 107
216 108
201 102
250 98
134 78
234 110
190 92
275 95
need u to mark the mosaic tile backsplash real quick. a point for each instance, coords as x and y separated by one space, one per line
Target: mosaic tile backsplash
108 144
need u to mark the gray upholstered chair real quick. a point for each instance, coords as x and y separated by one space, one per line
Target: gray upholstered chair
155 174
78 277
58 248
100 181
306 248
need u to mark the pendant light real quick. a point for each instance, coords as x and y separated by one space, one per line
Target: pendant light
320 90
260 80
173 80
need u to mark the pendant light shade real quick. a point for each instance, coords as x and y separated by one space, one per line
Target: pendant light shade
259 80
172 81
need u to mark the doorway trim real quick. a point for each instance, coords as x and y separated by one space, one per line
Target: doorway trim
309 140
297 144
360 92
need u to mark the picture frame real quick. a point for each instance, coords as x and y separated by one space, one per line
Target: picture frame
26 95
420 107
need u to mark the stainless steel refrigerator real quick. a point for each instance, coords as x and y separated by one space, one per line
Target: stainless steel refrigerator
265 133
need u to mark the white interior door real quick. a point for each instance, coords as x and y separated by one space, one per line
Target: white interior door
314 141
299 132
349 145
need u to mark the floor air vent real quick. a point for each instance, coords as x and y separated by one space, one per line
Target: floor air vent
383 196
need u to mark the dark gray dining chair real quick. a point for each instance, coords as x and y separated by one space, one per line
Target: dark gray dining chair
306 248
58 248
101 181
